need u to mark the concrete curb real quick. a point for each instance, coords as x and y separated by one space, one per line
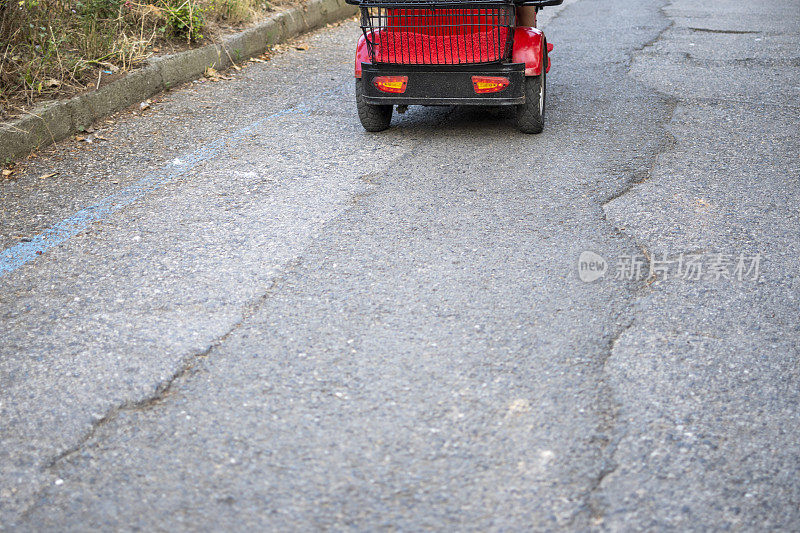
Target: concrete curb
57 120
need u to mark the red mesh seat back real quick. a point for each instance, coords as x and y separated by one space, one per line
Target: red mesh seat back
441 36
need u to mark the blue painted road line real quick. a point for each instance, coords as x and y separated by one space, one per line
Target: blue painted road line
24 252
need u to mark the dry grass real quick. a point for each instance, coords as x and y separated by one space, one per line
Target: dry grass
53 48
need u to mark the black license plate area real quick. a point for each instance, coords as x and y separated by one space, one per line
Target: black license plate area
437 86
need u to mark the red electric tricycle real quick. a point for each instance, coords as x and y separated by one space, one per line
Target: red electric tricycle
450 52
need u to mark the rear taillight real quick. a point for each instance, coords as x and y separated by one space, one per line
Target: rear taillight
391 84
489 84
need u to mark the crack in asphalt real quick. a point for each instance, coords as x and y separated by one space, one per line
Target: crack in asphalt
666 146
670 24
793 62
610 419
740 101
187 365
730 32
610 465
162 388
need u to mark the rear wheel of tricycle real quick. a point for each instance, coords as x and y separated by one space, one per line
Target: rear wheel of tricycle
373 117
530 115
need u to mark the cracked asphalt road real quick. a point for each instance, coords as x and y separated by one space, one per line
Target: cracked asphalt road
312 327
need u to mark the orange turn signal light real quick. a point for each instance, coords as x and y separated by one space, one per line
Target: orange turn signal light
489 84
391 84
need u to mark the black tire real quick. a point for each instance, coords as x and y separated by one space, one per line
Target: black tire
530 115
373 117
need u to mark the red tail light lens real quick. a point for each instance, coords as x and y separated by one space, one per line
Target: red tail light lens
489 84
391 84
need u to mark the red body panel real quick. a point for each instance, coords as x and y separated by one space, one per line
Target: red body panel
528 50
362 55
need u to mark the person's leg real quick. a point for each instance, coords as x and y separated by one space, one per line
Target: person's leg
526 16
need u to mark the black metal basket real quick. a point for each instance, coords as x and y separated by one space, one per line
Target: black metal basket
417 32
